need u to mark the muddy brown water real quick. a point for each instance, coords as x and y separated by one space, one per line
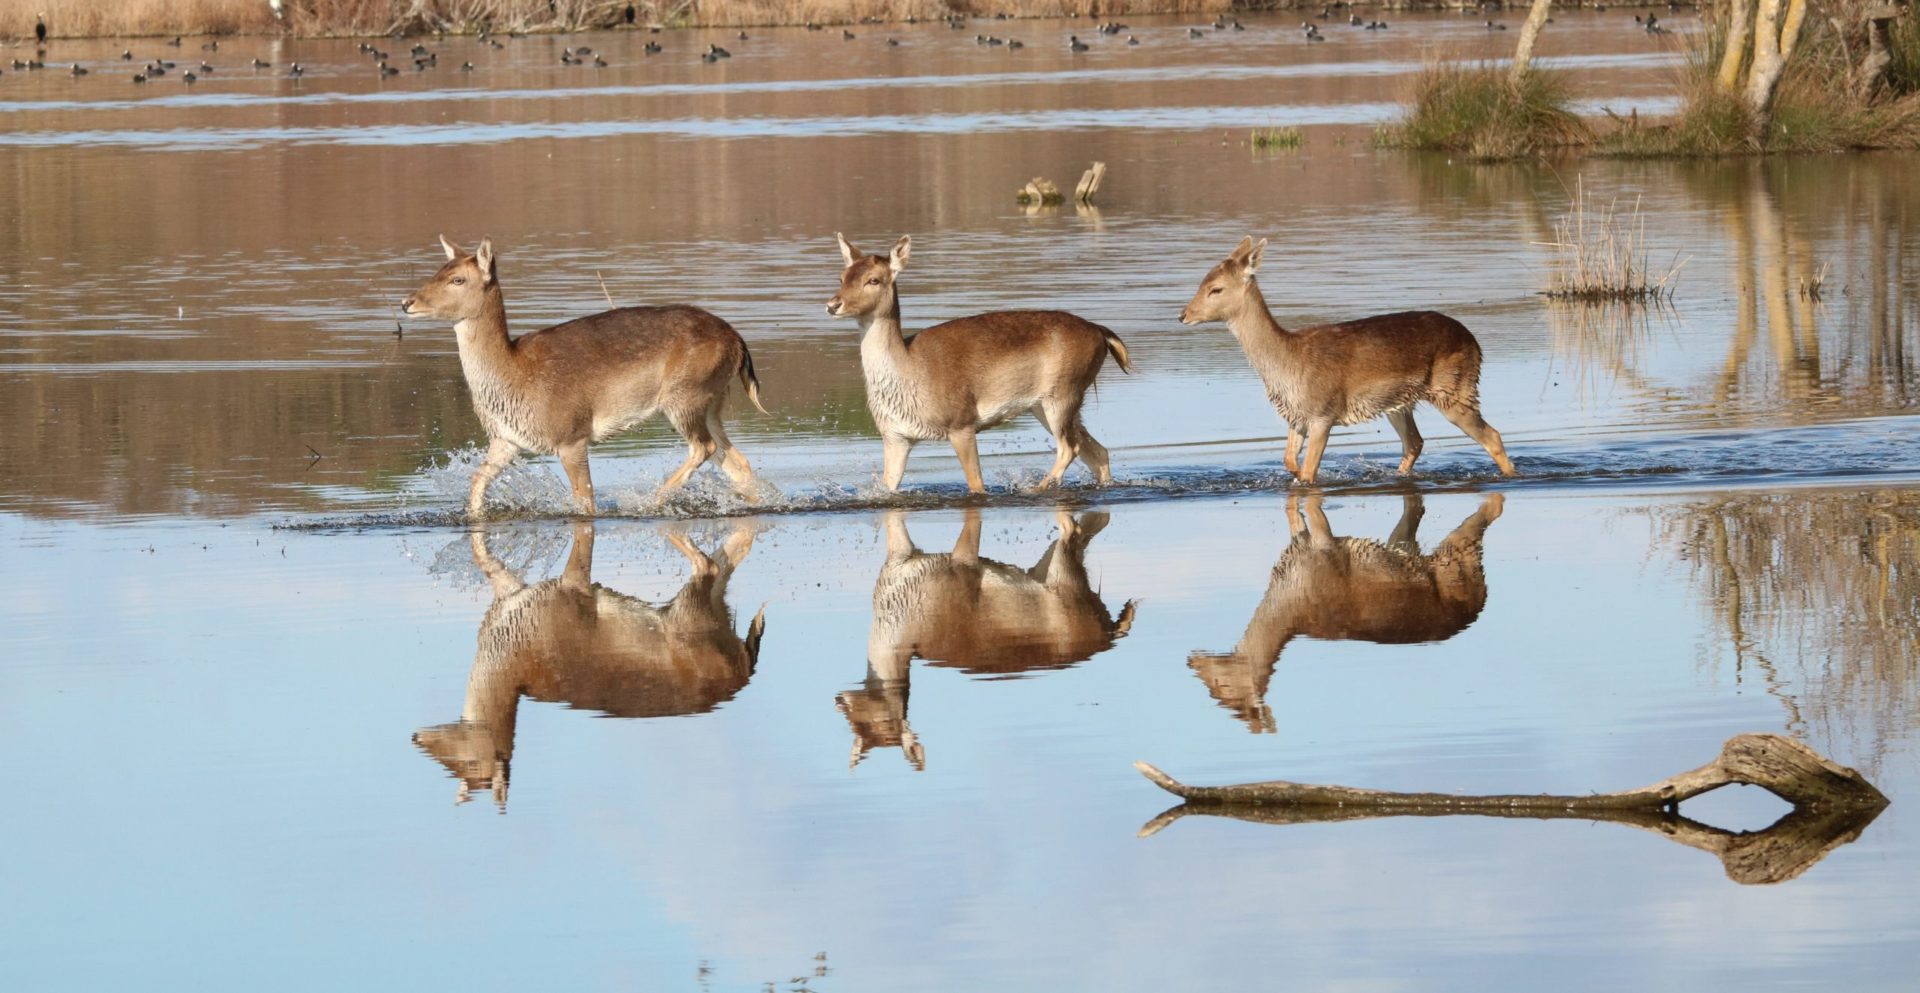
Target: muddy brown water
245 685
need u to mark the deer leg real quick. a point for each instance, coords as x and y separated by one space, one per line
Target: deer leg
893 463
1092 453
966 445
1409 432
1292 458
732 463
700 447
1294 523
500 454
579 573
1060 418
1317 433
1468 420
573 458
966 547
1319 531
1406 534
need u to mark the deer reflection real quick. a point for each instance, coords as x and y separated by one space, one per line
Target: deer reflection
1351 589
982 617
570 640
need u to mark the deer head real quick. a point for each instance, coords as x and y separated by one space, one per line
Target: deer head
866 284
458 292
1224 290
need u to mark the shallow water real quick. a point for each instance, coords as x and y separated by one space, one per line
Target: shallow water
229 494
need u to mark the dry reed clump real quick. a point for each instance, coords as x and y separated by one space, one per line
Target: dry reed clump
1481 111
132 18
1271 137
1601 256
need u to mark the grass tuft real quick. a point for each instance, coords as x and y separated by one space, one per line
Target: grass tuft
1600 255
1479 111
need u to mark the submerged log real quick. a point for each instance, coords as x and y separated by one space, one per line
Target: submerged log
1090 183
1782 766
1832 806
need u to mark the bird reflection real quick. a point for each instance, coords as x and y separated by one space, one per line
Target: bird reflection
1351 589
985 618
570 640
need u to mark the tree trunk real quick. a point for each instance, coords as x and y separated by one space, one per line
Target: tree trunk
1739 20
1523 55
1775 35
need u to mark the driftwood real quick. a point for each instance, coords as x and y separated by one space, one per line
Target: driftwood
1041 190
1832 805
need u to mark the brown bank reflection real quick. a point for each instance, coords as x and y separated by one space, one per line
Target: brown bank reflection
983 617
1351 589
570 640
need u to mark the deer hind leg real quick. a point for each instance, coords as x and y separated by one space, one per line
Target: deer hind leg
732 463
1058 417
1292 457
1092 453
573 458
500 454
1467 418
692 425
1410 441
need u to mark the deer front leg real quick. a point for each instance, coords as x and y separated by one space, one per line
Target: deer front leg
1317 433
894 461
1292 458
500 454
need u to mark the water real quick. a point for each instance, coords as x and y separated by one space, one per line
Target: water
246 620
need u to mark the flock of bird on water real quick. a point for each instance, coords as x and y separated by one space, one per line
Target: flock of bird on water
424 59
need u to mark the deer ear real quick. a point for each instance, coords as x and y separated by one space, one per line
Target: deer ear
1253 257
901 250
484 256
1239 253
847 252
452 250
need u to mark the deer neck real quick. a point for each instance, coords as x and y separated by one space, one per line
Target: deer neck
883 344
1259 334
486 350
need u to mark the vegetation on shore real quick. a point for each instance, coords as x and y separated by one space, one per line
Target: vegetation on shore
1846 83
132 18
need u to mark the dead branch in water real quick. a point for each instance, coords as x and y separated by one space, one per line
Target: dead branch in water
1832 805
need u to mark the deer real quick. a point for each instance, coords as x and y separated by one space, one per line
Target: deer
559 389
985 618
1352 589
1351 372
570 640
956 379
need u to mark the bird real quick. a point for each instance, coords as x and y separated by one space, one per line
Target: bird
599 63
1013 43
77 71
893 43
205 69
651 47
385 70
127 56
742 36
189 78
212 46
139 77
466 67
1194 33
1237 26
709 58
1131 40
1495 26
259 64
296 70
40 28
719 53
1074 44
175 42
846 35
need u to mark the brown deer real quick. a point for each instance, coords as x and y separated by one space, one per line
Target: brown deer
1350 372
956 379
559 389
982 617
1352 589
569 640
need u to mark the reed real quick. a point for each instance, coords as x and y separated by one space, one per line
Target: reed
1600 255
1277 138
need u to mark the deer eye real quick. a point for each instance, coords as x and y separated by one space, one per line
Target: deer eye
1216 291
462 281
875 281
